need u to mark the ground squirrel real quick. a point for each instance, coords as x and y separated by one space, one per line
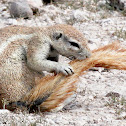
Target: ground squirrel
26 52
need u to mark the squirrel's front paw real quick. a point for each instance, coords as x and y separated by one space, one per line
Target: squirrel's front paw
65 69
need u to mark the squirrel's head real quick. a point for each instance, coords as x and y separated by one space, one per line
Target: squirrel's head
69 42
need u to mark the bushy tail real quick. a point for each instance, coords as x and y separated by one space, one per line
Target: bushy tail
59 89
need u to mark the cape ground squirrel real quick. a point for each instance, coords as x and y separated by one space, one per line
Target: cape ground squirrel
25 52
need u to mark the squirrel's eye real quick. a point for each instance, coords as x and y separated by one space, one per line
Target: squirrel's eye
74 44
59 36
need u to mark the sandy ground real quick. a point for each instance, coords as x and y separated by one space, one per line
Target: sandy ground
100 25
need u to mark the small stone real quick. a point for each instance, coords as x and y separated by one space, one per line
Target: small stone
91 97
12 22
80 15
3 111
20 9
4 9
92 46
101 3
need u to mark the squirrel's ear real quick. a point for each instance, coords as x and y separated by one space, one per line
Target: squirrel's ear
57 35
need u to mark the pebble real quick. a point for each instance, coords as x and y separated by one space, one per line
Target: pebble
20 9
3 111
80 15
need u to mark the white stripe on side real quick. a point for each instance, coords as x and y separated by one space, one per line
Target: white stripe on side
4 44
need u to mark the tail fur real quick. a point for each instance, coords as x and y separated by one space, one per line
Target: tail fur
63 88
